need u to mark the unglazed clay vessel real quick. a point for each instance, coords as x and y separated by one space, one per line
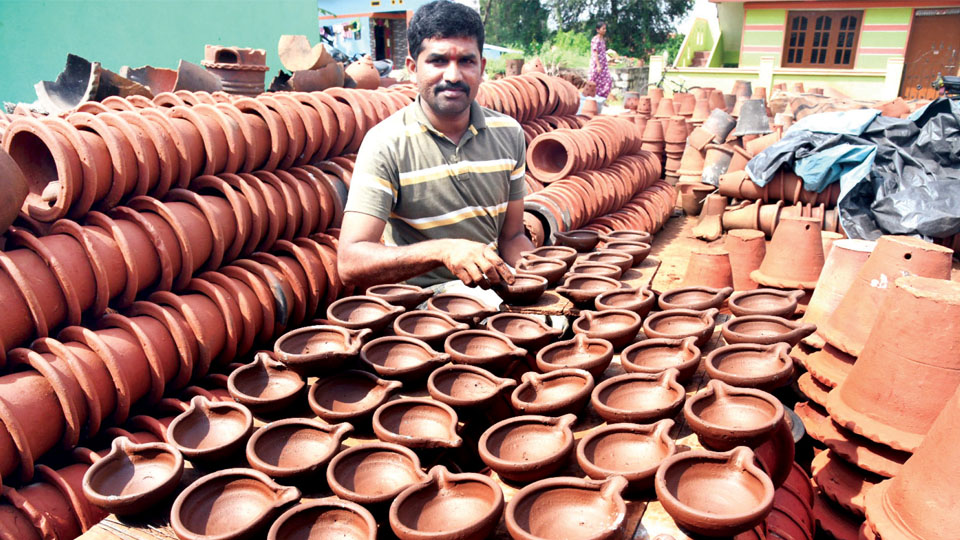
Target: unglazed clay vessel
714 493
596 269
209 431
265 385
232 503
401 358
585 288
747 365
525 289
482 348
765 330
525 331
681 323
463 506
633 451
319 349
563 508
372 474
527 448
637 300
581 240
295 448
417 423
552 269
430 326
694 298
349 396
565 254
329 518
654 356
633 236
356 312
773 302
725 417
581 352
132 478
460 307
401 294
638 250
564 391
638 397
465 387
620 259
618 326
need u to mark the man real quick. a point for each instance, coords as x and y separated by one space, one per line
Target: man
443 176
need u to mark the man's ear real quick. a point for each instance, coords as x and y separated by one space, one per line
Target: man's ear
411 66
483 63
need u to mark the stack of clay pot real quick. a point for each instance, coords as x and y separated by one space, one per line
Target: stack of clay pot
675 138
874 389
529 96
794 258
313 68
241 71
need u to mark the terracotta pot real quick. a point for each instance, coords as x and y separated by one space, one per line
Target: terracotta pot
582 240
265 385
724 417
364 74
207 508
295 449
349 396
460 307
15 189
638 250
694 298
618 326
839 271
564 391
764 330
566 507
850 324
566 254
633 451
638 397
527 448
483 348
595 269
526 289
795 255
581 352
639 301
465 506
830 366
607 255
209 431
844 483
357 312
631 235
773 302
746 249
834 521
401 358
552 269
400 294
373 474
417 423
319 349
432 327
912 378
746 365
133 478
709 267
585 288
745 216
654 356
692 195
686 484
348 520
525 331
466 387
682 323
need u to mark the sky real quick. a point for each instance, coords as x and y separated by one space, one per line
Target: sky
701 8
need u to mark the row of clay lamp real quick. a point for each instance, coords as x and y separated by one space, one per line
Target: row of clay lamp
97 161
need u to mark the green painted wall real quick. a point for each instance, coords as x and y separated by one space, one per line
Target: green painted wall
36 35
767 39
887 39
730 16
700 38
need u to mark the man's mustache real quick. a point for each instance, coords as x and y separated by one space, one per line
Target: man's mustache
452 86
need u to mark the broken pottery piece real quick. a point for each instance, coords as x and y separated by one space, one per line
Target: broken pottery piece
356 312
483 348
132 478
637 300
401 294
638 397
656 355
696 298
748 365
417 423
319 349
681 323
295 448
618 326
633 451
349 396
210 431
566 507
430 326
773 302
527 448
765 330
265 385
373 473
525 331
581 352
325 519
460 307
555 393
401 358
466 387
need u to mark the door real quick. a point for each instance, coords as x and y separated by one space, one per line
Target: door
933 47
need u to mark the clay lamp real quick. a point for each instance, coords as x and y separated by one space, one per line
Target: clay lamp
633 451
620 259
637 300
482 348
400 294
417 423
765 330
566 507
463 506
618 326
401 358
582 240
349 396
525 289
638 250
638 397
295 449
773 302
724 416
659 354
681 323
581 352
432 327
582 268
631 235
329 517
356 312
208 431
460 307
695 298
466 387
552 269
564 391
527 448
228 504
319 349
714 493
566 254
265 385
746 365
132 478
373 474
584 289
525 331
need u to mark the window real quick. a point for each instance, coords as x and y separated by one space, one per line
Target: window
823 39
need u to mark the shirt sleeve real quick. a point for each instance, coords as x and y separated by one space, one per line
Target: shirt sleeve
518 188
373 187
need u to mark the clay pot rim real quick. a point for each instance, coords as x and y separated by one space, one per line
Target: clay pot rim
658 432
646 294
299 358
583 338
197 405
715 297
791 299
435 356
387 385
482 310
411 292
711 391
125 446
686 344
655 317
454 325
668 376
499 384
267 364
578 323
460 356
527 379
780 349
331 502
368 447
728 330
562 423
336 431
613 486
492 320
391 312
381 431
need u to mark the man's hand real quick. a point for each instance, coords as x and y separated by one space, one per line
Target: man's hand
476 264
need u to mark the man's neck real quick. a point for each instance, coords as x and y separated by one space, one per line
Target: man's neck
452 127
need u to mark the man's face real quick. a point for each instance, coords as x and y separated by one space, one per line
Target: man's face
449 71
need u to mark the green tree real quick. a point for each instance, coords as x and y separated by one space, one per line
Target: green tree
515 23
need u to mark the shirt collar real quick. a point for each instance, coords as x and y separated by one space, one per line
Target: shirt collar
477 121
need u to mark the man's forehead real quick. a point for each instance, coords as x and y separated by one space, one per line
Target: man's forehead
450 46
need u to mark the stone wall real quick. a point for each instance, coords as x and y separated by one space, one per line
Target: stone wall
629 79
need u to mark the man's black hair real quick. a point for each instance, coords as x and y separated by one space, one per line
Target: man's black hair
600 24
443 19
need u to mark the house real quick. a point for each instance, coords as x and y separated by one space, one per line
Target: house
877 49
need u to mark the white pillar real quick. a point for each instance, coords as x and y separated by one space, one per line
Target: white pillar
766 73
891 83
657 62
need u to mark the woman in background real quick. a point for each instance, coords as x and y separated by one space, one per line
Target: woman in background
599 73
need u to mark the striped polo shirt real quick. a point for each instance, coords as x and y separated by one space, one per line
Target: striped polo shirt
426 187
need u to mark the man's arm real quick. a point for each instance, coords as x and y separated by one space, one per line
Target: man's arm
363 261
513 241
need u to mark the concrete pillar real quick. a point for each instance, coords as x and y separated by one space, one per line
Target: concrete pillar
657 62
766 73
891 83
